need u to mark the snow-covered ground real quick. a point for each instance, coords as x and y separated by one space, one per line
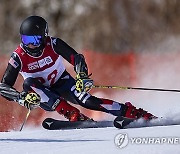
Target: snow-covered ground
88 141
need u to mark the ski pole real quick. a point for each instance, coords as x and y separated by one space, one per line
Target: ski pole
129 88
27 115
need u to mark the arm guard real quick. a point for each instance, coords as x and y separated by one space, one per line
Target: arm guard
8 92
9 78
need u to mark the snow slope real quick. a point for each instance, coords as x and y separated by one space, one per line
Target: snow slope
85 141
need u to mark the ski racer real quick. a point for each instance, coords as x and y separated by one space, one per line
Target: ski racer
47 84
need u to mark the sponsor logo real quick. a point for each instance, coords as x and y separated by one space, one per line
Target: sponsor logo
82 96
33 66
55 104
40 63
120 122
49 124
54 41
48 60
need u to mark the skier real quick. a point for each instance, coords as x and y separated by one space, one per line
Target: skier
47 84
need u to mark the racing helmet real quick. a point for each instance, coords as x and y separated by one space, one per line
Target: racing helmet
34 31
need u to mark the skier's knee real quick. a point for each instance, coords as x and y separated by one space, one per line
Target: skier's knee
29 82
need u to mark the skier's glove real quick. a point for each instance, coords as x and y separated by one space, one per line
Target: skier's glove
29 100
83 82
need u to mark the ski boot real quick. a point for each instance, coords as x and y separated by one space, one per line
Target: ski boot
70 112
133 113
129 114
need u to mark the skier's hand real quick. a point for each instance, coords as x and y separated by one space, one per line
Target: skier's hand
83 82
29 100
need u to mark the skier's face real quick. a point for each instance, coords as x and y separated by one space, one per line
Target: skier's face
31 46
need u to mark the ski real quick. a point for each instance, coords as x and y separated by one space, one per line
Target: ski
119 122
125 123
53 124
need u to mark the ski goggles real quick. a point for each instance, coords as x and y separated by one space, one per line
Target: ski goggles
35 40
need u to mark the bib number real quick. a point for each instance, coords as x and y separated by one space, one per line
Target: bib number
51 77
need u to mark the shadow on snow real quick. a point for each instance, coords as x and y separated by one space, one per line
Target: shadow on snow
48 140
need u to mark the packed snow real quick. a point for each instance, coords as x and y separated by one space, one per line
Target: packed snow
89 141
